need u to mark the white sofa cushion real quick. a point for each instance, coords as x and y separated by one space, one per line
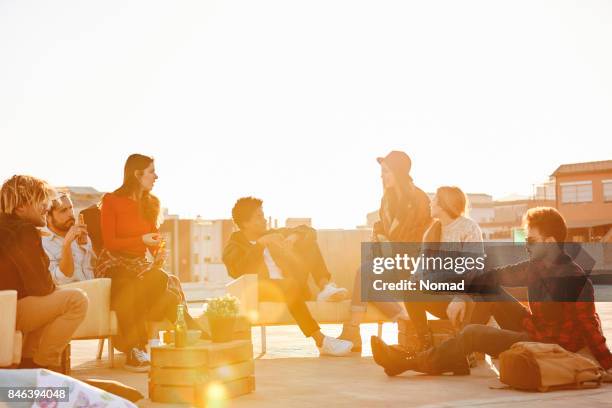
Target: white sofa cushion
100 321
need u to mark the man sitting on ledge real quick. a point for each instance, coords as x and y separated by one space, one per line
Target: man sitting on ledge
283 259
561 300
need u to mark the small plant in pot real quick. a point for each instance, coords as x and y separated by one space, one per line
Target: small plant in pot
221 314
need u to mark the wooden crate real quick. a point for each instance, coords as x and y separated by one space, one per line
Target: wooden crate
204 353
200 373
201 395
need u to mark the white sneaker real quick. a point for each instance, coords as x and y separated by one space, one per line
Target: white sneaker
332 293
335 347
137 361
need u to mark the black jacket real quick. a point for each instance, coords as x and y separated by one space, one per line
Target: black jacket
243 257
24 265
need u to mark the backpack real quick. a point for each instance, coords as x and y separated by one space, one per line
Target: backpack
546 367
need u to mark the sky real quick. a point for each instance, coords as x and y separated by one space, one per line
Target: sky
293 101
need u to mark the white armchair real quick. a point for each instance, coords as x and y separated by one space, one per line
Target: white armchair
10 338
100 321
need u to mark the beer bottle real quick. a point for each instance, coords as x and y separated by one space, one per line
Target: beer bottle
180 327
82 238
159 260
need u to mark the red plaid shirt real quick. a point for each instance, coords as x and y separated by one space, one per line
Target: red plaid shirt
571 324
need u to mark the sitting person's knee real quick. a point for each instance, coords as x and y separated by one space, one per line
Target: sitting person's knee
471 329
77 301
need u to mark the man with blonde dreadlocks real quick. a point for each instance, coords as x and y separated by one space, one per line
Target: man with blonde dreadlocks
47 315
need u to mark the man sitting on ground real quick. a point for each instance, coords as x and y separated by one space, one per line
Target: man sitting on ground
283 259
561 303
67 244
48 316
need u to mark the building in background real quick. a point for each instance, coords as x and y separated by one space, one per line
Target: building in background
296 222
82 197
508 217
196 247
480 207
545 191
584 197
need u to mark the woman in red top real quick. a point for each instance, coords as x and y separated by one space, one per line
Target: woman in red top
139 290
126 228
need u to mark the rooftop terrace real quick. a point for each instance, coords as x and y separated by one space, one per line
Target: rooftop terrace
292 375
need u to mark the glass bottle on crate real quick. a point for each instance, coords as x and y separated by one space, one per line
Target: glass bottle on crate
180 327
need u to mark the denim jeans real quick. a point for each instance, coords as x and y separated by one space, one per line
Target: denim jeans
508 313
291 292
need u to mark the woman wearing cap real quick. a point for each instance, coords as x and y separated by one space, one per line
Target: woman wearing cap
459 234
404 217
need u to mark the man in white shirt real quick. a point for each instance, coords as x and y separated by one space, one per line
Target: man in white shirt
67 244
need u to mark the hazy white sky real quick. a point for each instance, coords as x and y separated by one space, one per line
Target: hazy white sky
292 101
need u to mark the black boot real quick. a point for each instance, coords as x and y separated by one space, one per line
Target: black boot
436 360
395 360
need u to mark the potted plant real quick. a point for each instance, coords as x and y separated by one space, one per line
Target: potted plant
221 313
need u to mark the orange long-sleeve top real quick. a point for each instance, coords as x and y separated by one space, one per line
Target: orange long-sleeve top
123 226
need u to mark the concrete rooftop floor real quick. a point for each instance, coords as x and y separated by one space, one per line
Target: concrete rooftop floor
292 374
